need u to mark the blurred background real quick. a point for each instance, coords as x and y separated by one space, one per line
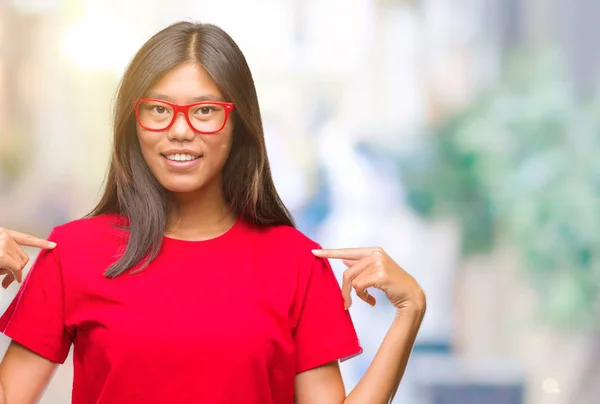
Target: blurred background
460 135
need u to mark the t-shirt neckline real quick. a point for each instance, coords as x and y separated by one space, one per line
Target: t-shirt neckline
227 234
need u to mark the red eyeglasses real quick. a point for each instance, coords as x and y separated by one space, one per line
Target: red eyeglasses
207 117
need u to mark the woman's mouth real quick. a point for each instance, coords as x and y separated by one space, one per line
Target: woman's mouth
182 161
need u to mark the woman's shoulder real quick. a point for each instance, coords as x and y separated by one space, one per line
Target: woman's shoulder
286 237
89 227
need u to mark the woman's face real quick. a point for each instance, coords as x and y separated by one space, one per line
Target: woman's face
182 159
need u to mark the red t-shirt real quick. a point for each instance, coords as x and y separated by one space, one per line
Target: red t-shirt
228 320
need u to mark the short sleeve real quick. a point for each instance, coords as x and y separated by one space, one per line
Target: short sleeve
35 317
324 331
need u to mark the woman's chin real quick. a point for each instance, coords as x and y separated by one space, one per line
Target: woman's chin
183 188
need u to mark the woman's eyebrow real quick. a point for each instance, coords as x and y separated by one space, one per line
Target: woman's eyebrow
206 97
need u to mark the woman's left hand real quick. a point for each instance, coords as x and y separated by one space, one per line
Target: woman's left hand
373 267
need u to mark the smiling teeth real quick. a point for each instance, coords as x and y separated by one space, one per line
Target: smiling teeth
181 157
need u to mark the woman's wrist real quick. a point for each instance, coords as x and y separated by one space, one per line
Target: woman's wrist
415 306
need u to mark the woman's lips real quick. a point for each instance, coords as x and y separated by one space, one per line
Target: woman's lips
183 165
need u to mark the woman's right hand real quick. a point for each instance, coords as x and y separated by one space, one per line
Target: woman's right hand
12 257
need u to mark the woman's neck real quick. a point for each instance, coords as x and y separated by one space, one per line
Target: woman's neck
199 217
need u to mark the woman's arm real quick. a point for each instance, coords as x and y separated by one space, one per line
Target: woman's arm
381 380
24 375
370 267
322 385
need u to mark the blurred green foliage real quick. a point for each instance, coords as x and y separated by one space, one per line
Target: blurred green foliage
522 164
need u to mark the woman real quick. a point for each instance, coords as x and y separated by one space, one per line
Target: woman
188 283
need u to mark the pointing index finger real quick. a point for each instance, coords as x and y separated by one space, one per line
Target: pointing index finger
343 253
30 241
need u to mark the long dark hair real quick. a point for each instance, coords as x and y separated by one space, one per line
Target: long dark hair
130 188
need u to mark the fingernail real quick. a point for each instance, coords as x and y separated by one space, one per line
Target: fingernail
52 244
316 251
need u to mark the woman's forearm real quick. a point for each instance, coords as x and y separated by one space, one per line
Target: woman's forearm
382 378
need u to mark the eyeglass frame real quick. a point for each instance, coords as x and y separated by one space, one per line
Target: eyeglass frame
184 109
